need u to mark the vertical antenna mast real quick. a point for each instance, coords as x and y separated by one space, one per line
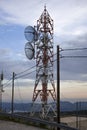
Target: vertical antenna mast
44 84
40 46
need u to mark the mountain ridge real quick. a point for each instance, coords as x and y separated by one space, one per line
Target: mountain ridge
64 106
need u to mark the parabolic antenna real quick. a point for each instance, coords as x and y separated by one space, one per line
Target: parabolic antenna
31 34
29 50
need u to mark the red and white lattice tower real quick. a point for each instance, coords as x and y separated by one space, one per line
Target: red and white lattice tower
44 84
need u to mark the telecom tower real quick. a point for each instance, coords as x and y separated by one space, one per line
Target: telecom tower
1 90
40 46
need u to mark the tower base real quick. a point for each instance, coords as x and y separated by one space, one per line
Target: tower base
43 112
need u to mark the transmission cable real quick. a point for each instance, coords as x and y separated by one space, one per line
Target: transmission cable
19 93
25 74
73 56
30 72
26 70
30 68
7 83
73 49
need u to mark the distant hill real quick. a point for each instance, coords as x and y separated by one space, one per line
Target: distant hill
17 106
64 106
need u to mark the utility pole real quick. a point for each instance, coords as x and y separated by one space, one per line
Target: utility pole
58 87
1 90
77 117
12 104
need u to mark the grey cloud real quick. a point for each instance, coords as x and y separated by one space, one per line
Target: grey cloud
74 68
9 67
4 52
24 83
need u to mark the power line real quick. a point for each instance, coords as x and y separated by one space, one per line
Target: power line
53 61
7 83
19 93
29 68
73 56
73 49
20 76
26 70
24 74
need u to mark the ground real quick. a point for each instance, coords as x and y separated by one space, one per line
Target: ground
8 125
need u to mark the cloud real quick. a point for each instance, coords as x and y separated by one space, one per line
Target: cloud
4 52
25 82
63 12
73 68
23 90
13 13
72 90
19 66
15 62
69 29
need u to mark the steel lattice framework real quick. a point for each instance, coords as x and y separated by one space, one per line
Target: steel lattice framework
44 61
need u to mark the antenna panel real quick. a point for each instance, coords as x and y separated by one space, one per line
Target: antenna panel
31 34
29 50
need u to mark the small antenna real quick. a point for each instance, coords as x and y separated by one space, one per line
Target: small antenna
45 7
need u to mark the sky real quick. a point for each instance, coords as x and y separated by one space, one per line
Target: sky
70 31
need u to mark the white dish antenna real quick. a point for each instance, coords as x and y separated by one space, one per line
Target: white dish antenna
31 34
29 50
